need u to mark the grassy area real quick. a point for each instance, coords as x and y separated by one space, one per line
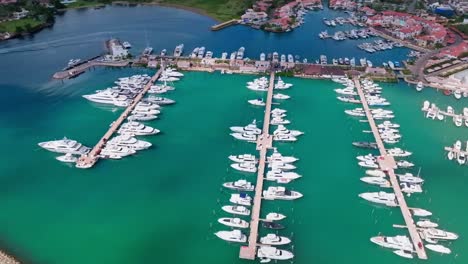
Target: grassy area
81 3
12 26
220 9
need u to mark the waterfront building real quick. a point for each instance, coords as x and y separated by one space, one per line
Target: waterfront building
117 51
19 15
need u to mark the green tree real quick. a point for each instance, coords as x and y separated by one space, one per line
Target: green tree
19 29
28 28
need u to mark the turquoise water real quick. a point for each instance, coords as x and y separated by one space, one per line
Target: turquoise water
162 205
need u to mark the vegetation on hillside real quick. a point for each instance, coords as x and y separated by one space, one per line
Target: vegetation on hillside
219 9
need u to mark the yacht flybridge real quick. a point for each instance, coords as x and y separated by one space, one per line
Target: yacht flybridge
250 128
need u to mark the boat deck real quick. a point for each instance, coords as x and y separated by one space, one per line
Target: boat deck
387 163
264 142
87 161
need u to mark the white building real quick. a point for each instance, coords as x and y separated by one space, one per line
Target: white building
117 51
19 15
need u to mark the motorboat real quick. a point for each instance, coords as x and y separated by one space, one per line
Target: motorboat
233 222
437 234
278 111
368 164
275 217
166 78
159 100
419 86
279 121
241 199
145 106
274 240
250 128
281 85
65 146
420 212
244 158
281 165
458 120
376 173
232 236
137 129
438 248
396 242
280 193
245 167
404 253
368 157
272 225
143 111
410 188
457 145
239 185
282 137
425 223
284 131
404 164
257 102
398 152
387 199
451 155
371 145
130 142
67 158
409 178
267 253
142 117
281 176
280 96
376 181
457 94
245 136
108 97
278 157
110 151
236 209
172 73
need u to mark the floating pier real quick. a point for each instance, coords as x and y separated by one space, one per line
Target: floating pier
87 161
436 110
264 142
225 24
387 163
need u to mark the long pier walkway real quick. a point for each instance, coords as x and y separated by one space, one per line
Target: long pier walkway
264 142
87 161
74 71
387 163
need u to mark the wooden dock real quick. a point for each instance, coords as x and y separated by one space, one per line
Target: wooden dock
87 161
225 24
387 163
264 142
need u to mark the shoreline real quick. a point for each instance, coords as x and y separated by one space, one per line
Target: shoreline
183 7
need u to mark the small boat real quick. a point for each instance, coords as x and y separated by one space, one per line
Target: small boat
281 96
457 94
280 193
419 86
232 236
241 199
420 212
234 209
244 158
368 164
266 253
272 225
245 167
275 217
370 145
409 178
375 173
410 188
403 253
239 185
257 102
68 158
438 248
274 240
233 222
376 181
425 223
387 199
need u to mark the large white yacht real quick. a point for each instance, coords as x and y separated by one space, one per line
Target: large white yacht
275 217
285 138
281 165
376 181
280 193
431 234
274 240
65 145
142 117
173 73
396 242
145 111
233 222
129 141
281 85
138 129
108 97
244 158
67 158
241 199
267 253
278 157
116 152
388 199
236 209
159 100
250 128
284 131
245 166
409 178
257 102
144 106
244 136
232 236
239 185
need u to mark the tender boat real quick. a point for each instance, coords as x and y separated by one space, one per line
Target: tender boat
233 222
420 212
275 217
232 236
68 158
274 240
239 185
234 209
268 253
387 199
419 86
280 193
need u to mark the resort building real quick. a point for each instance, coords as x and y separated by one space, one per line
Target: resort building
19 15
116 50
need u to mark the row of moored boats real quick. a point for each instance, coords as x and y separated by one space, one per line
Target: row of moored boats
433 112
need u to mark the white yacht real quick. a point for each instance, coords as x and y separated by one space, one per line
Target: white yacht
278 157
376 173
250 128
410 188
396 242
129 141
280 193
280 96
437 234
233 222
244 158
275 217
166 78
267 253
234 209
239 185
245 136
67 158
146 106
257 102
458 120
420 212
116 152
137 129
419 86
282 111
108 97
398 152
376 181
232 236
172 73
284 131
65 145
281 165
143 111
368 164
438 248
404 164
159 100
245 167
281 176
282 137
426 223
281 85
141 117
409 178
274 240
279 121
388 199
241 199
